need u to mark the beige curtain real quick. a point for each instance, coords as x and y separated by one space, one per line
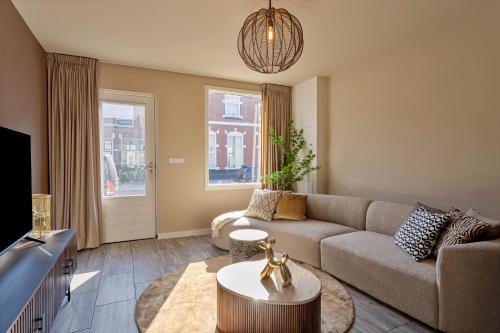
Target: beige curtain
74 146
276 114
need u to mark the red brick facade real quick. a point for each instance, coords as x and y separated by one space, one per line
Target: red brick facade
247 123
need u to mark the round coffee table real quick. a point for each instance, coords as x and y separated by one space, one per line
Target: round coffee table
244 244
247 304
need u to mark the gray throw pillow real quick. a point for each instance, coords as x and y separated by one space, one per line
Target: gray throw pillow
418 234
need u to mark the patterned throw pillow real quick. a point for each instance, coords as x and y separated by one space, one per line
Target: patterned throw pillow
263 204
418 234
493 231
460 229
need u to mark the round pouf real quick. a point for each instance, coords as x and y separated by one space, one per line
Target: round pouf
244 244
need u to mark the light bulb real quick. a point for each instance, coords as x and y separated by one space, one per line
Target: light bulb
270 33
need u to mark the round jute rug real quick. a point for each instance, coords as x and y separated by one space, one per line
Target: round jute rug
185 300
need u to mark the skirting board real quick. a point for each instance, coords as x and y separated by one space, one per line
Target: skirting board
184 233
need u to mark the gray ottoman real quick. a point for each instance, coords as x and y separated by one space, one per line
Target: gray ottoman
243 244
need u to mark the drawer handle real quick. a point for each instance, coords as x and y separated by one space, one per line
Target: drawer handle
39 324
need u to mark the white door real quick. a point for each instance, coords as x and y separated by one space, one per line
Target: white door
127 122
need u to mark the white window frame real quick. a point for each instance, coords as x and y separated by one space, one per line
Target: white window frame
240 135
232 186
226 103
214 133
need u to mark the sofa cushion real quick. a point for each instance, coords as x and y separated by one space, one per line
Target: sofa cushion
291 206
371 262
493 232
263 204
460 229
300 239
386 217
419 233
349 211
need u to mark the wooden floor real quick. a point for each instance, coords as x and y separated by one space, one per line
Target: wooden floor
110 278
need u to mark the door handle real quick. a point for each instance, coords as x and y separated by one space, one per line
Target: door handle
149 166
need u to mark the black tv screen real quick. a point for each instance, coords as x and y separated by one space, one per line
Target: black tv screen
15 189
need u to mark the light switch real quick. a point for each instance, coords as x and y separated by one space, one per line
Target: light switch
175 160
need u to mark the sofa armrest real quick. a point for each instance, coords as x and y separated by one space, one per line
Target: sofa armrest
468 277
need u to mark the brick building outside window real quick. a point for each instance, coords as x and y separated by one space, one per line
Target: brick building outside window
234 123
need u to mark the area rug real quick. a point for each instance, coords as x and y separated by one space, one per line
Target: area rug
185 300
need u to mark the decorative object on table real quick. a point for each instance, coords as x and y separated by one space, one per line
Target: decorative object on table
263 204
291 206
296 162
419 233
271 40
460 229
41 215
275 263
184 299
244 244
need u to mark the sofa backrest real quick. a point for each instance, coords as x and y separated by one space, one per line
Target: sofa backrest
386 217
349 211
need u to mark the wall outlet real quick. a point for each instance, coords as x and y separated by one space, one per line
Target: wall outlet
175 160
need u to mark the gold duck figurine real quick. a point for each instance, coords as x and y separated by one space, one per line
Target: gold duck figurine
275 263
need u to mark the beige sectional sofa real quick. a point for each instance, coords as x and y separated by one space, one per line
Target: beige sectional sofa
352 239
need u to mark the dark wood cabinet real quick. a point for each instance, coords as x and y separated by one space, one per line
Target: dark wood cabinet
34 280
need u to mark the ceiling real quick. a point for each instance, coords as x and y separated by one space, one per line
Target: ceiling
199 36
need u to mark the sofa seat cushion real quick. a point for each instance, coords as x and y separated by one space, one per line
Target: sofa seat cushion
371 262
300 239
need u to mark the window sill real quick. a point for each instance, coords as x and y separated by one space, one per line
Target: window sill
232 186
232 117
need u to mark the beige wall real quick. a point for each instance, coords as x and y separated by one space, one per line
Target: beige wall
183 202
23 89
422 123
310 113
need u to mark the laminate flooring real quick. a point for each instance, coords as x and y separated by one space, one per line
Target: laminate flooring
111 278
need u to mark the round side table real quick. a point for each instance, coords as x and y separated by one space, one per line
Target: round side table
245 303
244 244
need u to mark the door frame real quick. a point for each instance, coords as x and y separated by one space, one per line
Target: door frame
155 140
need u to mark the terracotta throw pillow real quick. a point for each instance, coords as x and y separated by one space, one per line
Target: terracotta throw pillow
291 206
460 229
263 204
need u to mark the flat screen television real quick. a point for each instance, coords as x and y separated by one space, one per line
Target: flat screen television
15 188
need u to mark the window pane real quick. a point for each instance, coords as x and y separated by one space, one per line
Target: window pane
232 105
234 141
212 152
123 149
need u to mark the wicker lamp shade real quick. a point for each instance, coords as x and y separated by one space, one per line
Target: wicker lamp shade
271 40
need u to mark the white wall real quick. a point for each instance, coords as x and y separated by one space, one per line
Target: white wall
310 110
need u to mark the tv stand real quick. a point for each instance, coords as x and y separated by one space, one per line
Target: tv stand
34 281
36 240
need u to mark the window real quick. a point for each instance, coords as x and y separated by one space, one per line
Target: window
212 150
232 138
234 150
123 130
232 106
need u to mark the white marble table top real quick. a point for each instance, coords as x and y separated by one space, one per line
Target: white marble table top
248 235
243 279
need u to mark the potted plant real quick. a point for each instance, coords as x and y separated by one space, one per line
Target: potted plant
296 162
